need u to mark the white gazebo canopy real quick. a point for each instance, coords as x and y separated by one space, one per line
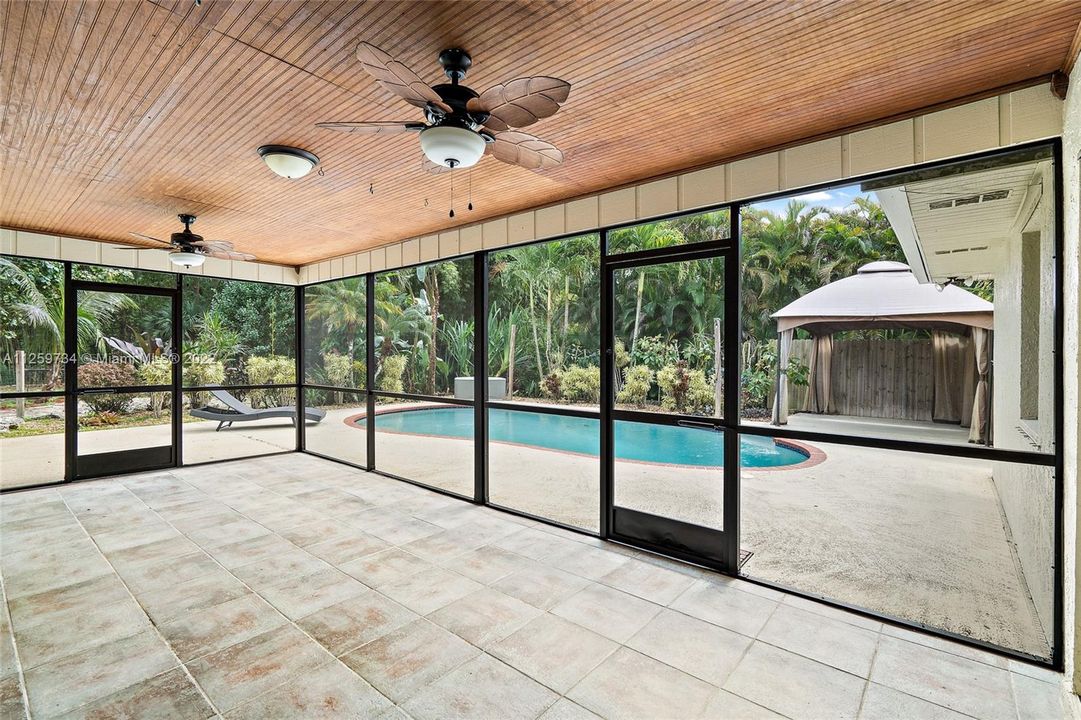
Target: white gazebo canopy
885 294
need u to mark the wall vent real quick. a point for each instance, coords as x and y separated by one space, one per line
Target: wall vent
969 200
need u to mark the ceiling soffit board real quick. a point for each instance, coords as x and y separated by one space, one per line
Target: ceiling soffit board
121 114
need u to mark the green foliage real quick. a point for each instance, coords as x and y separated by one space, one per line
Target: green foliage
581 384
654 352
684 390
637 382
552 386
390 373
271 370
339 369
107 374
623 358
158 371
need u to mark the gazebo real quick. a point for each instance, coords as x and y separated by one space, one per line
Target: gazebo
884 295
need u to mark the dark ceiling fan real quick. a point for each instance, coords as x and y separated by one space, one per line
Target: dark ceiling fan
463 125
190 250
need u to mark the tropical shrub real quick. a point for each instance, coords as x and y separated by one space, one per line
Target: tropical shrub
202 371
338 369
271 370
654 352
106 374
552 386
683 390
637 382
581 384
158 371
390 373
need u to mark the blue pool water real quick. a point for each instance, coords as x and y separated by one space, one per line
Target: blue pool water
634 441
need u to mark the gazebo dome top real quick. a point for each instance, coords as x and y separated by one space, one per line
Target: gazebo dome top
885 294
879 266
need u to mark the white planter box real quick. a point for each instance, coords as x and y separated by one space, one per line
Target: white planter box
463 388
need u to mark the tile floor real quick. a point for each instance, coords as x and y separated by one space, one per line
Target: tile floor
293 587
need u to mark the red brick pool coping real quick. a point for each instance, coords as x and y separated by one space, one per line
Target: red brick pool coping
814 455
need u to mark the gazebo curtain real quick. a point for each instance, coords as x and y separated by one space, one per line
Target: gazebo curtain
819 374
954 377
780 400
981 403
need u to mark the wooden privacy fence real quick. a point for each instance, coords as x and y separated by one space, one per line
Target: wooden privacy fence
887 378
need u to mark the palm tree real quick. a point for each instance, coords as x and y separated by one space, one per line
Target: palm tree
340 306
646 237
41 315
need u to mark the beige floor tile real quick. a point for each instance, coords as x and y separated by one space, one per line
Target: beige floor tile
330 691
631 685
967 686
274 570
52 604
393 527
11 698
949 646
248 669
444 545
151 553
534 543
481 689
402 663
356 621
167 573
648 581
607 611
429 590
77 629
540 585
586 561
79 566
831 612
485 565
793 685
198 633
214 536
694 646
317 532
1037 699
485 616
883 703
385 567
725 606
245 552
553 651
306 594
342 550
726 706
169 696
833 642
564 709
167 603
92 674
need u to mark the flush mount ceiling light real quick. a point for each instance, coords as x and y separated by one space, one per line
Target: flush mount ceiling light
289 162
183 258
451 146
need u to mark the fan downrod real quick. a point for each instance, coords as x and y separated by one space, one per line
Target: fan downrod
188 220
456 62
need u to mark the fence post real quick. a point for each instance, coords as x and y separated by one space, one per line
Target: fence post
510 370
718 376
20 383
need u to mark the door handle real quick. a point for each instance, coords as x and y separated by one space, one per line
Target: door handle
697 424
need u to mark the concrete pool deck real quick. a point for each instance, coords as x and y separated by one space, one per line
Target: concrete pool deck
917 537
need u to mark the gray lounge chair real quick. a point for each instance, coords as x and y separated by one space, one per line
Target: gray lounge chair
240 411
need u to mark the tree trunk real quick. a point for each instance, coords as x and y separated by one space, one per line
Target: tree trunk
536 337
510 362
433 303
638 310
548 327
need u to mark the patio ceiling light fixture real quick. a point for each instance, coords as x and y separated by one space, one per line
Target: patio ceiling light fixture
289 162
183 258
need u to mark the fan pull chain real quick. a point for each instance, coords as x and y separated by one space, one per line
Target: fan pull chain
469 194
452 192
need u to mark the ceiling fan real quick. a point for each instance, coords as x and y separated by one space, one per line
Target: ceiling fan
191 250
463 125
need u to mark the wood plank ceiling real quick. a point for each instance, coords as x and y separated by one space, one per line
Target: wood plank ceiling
118 114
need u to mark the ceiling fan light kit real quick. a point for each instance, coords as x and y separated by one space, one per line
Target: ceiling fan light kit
288 162
185 259
461 124
452 147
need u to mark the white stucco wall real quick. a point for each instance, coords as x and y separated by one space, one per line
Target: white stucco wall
1071 153
1026 492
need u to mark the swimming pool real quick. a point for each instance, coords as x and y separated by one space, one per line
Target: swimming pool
639 442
